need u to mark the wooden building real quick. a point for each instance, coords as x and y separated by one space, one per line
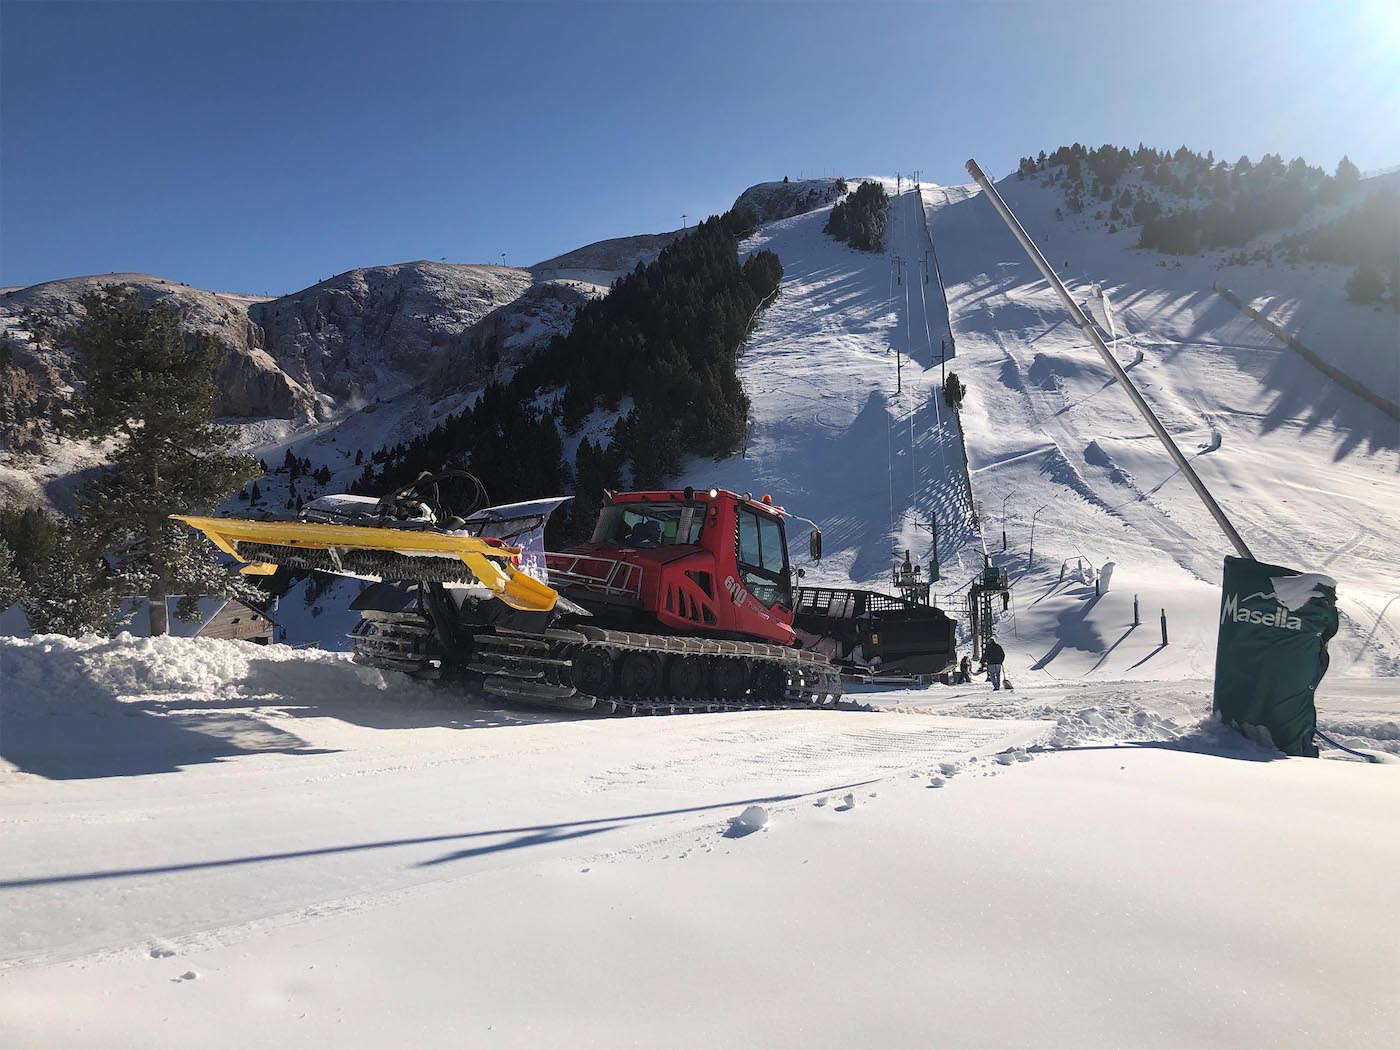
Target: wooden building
219 618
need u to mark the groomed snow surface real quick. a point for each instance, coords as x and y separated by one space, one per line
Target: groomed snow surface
258 846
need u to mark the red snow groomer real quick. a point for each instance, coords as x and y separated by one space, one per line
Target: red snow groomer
688 599
681 600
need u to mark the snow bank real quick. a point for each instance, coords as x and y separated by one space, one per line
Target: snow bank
1359 714
52 674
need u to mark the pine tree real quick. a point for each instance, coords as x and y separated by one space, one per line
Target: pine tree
156 394
1348 174
1365 285
11 586
70 593
256 493
954 392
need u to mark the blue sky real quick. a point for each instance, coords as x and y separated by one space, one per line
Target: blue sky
263 147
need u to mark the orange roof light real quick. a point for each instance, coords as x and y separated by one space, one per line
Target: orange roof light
768 499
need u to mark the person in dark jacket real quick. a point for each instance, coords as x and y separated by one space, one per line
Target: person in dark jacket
995 657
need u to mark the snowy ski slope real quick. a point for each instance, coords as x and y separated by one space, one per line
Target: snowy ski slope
1309 473
836 434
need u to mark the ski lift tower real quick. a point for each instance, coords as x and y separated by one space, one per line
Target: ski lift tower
990 585
910 581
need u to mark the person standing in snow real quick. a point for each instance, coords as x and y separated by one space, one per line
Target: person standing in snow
995 656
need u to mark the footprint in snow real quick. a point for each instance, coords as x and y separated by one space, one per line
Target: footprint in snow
188 975
849 802
161 951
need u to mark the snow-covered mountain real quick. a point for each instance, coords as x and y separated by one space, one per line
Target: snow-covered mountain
871 452
771 201
251 381
406 339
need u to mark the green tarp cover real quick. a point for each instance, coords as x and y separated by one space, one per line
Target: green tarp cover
1275 624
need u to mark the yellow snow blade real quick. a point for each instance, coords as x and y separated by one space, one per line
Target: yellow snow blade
490 564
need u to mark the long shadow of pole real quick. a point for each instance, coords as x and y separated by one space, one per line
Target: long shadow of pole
532 835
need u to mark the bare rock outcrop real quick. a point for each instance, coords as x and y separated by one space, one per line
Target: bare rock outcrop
509 336
250 382
603 262
377 332
771 201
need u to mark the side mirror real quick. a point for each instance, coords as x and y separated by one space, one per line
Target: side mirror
816 545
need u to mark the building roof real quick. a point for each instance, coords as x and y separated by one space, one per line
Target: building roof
135 619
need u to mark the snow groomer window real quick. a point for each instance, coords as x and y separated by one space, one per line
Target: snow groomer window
763 565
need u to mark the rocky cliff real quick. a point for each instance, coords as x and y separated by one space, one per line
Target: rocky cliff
376 332
780 200
250 381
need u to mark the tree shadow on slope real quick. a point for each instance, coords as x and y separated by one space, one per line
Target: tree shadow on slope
1073 629
384 699
116 739
1299 393
1304 396
123 715
913 462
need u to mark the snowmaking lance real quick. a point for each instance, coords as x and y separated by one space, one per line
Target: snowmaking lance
682 600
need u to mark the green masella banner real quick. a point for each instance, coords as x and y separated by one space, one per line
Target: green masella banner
1275 624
